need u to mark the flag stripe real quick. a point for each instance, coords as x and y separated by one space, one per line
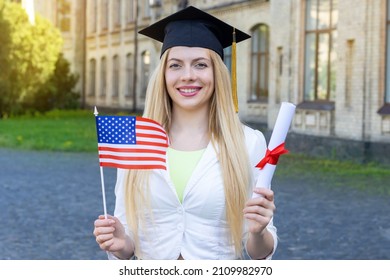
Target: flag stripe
143 123
129 158
130 162
148 127
153 136
127 151
132 166
129 148
118 150
151 131
155 144
149 122
149 140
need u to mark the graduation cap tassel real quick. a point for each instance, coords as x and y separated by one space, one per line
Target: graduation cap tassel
234 72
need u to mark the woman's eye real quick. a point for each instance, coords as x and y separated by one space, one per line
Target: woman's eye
174 65
201 65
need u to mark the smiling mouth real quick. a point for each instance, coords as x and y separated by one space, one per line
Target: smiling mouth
188 91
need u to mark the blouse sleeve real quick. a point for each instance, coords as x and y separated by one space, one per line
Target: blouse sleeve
257 147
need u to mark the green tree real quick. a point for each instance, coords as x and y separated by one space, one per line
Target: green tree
5 42
28 57
58 91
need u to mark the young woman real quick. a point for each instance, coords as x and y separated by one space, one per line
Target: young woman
202 206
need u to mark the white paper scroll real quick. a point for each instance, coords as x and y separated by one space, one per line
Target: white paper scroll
278 136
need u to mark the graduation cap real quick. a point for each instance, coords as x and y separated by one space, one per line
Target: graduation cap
192 27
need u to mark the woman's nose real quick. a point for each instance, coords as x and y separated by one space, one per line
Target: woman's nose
188 73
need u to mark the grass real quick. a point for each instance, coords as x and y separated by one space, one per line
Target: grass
55 131
75 131
370 177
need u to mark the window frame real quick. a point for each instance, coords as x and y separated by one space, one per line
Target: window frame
318 33
259 57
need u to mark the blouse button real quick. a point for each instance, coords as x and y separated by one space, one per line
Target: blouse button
180 227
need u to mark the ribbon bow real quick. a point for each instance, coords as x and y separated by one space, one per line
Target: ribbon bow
272 156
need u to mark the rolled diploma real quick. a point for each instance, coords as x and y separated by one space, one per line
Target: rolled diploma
278 136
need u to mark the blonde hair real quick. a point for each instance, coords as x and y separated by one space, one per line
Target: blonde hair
227 136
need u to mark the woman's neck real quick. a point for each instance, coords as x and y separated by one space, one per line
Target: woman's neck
189 130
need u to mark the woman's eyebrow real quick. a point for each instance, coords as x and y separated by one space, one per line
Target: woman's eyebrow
195 59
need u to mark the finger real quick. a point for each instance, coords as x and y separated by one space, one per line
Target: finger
257 210
102 217
104 222
267 193
253 208
256 201
101 238
107 245
263 221
115 219
260 201
267 210
103 230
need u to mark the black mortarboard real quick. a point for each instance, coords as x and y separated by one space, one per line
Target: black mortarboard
192 27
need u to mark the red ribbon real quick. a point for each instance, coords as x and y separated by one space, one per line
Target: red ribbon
272 157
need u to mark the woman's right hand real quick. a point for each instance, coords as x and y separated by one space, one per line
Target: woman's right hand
111 236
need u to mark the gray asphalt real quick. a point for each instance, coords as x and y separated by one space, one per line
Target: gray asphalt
49 200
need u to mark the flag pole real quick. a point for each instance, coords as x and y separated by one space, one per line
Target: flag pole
101 174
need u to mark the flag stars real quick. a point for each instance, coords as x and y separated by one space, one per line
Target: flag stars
116 130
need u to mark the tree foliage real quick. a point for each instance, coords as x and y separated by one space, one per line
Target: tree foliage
28 56
57 92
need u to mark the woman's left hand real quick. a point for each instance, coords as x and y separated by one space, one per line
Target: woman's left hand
260 210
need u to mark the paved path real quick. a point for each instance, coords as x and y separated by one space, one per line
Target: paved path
48 202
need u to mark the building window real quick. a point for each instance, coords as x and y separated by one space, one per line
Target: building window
259 63
145 68
92 77
387 93
130 10
104 15
64 15
103 77
147 9
115 76
320 55
116 13
227 57
129 75
93 13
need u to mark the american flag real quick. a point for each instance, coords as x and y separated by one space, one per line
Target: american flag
130 142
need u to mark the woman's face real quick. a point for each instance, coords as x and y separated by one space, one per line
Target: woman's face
189 77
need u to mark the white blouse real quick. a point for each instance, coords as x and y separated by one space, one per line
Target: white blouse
197 227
